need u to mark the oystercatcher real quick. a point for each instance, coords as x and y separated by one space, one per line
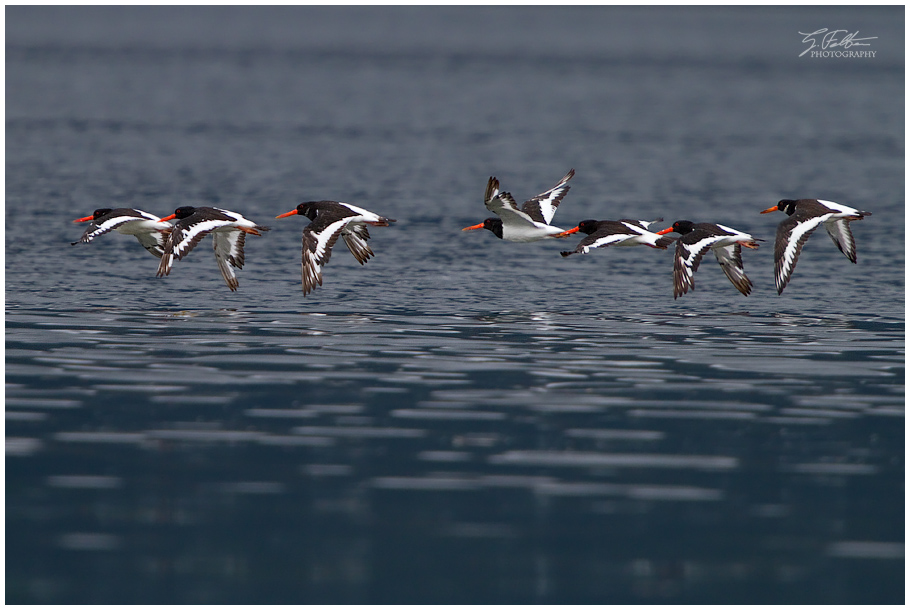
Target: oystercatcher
697 238
804 217
329 220
532 221
603 233
228 231
150 230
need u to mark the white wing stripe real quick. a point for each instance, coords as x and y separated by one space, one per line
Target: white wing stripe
365 215
606 241
699 248
324 236
112 223
199 228
788 258
148 216
637 228
734 232
547 209
234 215
839 207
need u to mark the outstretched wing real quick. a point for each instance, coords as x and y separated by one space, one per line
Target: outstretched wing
154 242
94 230
491 194
839 230
792 233
542 208
355 238
317 250
228 246
506 208
116 219
731 260
685 263
597 240
644 224
182 240
644 236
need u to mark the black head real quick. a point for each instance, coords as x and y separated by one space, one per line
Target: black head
101 212
683 227
787 205
310 208
587 226
184 211
494 225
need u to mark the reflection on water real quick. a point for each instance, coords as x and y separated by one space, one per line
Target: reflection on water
276 457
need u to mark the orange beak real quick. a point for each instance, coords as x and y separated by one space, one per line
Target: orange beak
471 228
171 217
86 219
769 210
286 214
665 231
567 233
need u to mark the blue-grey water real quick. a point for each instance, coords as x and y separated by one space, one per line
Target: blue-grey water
461 420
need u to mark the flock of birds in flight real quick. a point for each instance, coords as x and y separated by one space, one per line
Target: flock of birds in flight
330 220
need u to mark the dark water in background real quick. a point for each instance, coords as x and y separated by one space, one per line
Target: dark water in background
462 419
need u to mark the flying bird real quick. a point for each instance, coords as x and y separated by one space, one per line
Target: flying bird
696 240
329 221
150 230
529 223
228 230
804 216
603 233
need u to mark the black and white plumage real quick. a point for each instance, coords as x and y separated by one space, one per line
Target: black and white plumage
603 233
804 216
150 230
529 223
329 221
228 230
696 240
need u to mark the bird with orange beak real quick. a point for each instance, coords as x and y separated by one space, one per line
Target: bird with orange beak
150 230
529 223
804 216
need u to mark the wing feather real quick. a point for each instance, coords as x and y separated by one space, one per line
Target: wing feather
731 261
355 238
317 250
842 236
686 261
542 208
183 239
792 233
594 240
153 242
508 211
94 230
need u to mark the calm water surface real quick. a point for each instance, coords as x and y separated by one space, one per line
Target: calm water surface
461 420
